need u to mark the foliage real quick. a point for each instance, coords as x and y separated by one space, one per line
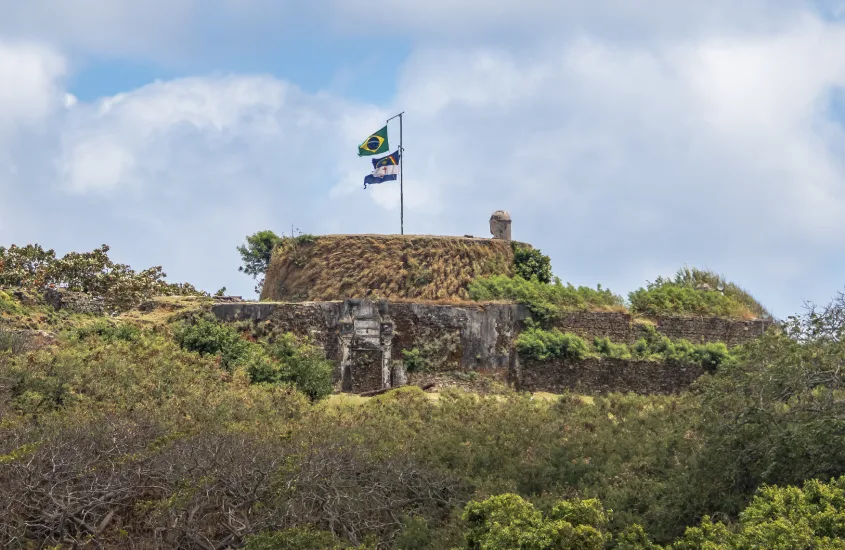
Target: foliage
695 292
301 364
529 263
545 301
115 437
296 538
285 361
774 417
207 336
509 521
539 344
256 254
414 360
107 331
31 268
780 518
13 342
654 346
606 348
25 267
8 304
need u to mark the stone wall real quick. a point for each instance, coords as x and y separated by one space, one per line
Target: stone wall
74 302
623 328
366 340
364 337
606 376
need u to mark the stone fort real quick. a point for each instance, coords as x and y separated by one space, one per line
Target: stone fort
368 299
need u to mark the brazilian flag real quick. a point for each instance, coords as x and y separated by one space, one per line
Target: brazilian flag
375 144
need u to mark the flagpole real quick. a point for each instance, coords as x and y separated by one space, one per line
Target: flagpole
401 175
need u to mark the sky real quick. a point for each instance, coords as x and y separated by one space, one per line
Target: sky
626 139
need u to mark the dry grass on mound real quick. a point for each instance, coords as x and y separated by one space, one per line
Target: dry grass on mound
393 267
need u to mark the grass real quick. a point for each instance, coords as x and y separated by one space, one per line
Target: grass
393 267
696 292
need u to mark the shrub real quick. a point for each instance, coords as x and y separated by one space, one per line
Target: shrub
509 521
303 365
529 263
297 538
542 345
107 331
209 337
695 292
539 344
655 346
285 361
414 360
13 342
545 301
606 348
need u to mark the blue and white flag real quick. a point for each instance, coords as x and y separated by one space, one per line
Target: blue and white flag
384 169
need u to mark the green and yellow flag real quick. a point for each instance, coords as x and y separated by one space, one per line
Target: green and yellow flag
375 144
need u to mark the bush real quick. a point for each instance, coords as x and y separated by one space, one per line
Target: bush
13 342
545 301
209 337
606 348
285 361
303 365
509 521
531 264
297 538
539 344
655 346
107 331
542 345
414 360
695 292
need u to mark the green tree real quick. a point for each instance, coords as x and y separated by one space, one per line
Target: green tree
775 415
779 518
529 263
256 254
509 521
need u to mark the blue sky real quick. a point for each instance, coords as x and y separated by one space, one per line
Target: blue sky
625 140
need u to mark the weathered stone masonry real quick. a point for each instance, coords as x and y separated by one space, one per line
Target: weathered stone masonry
363 338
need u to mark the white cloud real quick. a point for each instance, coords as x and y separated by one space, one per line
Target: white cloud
31 89
619 158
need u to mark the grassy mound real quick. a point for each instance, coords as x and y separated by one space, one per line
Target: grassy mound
393 267
696 292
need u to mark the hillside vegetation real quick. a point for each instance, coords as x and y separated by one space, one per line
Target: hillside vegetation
184 434
394 267
695 291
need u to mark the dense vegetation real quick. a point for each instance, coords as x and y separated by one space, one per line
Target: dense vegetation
545 301
530 263
691 292
695 292
188 435
32 268
539 344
